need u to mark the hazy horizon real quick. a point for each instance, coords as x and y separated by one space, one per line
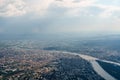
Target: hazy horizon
59 17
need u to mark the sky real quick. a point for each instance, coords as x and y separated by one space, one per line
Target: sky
28 17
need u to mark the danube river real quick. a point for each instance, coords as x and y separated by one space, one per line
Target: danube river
95 65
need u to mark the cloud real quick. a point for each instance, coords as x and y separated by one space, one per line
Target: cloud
21 7
39 7
83 7
106 8
1 2
12 8
74 4
75 7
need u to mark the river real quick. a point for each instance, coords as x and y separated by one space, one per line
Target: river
97 68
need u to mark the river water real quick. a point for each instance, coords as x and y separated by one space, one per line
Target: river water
98 69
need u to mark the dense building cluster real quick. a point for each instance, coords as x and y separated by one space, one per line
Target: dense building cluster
38 60
34 64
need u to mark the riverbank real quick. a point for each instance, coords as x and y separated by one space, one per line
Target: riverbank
95 65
